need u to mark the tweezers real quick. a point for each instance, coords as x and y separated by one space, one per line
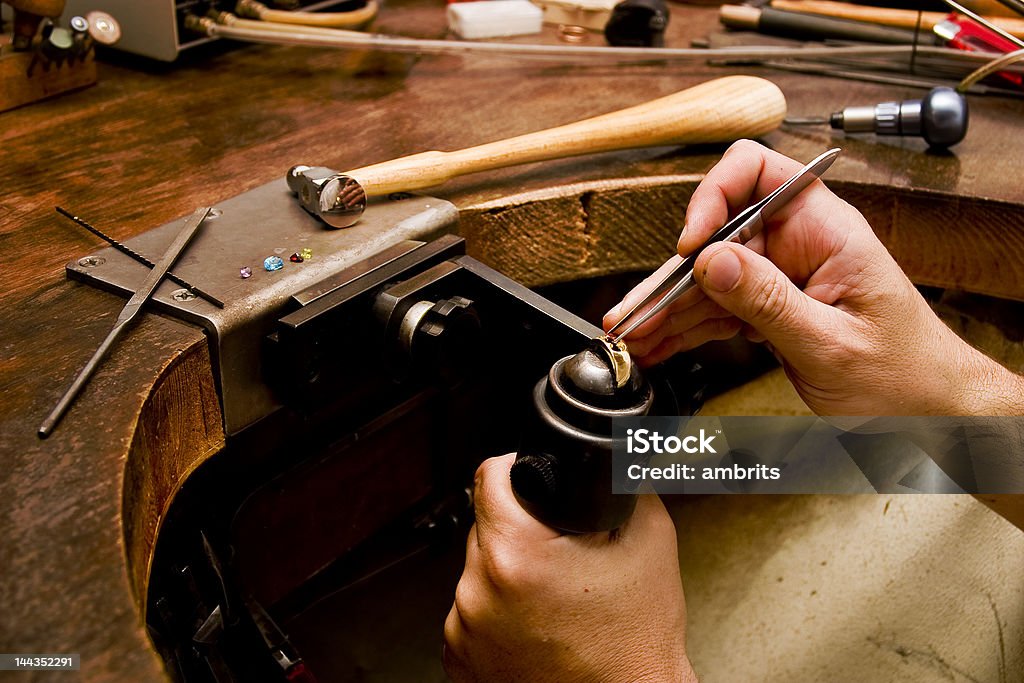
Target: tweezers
740 229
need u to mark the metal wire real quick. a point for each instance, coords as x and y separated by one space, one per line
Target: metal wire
989 69
583 55
227 25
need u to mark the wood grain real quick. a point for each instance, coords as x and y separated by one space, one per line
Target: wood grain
78 512
942 240
18 88
514 234
180 427
611 227
63 570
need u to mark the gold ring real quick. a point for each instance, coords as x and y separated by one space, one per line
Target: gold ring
568 33
618 358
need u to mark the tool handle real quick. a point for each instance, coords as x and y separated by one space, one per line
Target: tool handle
802 26
716 111
902 18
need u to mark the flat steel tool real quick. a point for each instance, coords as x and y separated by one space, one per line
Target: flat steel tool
128 314
128 251
740 229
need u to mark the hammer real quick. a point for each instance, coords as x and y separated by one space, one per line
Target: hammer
715 111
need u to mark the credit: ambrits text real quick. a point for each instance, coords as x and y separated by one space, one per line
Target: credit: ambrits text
647 442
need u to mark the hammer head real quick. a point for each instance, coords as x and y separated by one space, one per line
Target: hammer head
334 198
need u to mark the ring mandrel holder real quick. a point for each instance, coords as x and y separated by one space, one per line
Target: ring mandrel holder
563 471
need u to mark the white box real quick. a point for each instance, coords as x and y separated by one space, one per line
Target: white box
493 18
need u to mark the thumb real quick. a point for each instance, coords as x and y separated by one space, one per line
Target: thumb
754 290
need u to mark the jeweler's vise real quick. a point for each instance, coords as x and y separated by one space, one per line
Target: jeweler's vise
363 379
358 331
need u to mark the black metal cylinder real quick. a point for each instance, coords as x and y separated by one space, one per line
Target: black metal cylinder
563 471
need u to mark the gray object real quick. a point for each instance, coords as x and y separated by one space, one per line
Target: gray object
139 258
153 28
940 118
334 198
128 314
244 230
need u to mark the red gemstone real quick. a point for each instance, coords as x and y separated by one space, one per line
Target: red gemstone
295 258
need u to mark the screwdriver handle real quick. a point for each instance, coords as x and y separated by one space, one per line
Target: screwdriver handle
721 110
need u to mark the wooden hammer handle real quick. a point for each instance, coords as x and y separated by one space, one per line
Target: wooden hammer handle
716 111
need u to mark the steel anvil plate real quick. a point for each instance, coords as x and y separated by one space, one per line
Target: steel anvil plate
266 221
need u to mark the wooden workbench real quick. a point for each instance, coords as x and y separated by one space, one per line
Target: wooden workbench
79 513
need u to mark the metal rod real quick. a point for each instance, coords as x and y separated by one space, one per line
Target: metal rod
805 121
579 54
128 314
128 251
970 82
827 70
984 22
865 71
1015 5
926 66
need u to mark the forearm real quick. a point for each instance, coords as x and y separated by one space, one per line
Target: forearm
988 388
670 670
991 389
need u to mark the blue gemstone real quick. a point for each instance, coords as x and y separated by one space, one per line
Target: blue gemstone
273 263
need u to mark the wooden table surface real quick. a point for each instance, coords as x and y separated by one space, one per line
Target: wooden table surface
152 142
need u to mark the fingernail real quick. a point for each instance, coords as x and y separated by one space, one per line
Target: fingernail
613 312
722 272
682 234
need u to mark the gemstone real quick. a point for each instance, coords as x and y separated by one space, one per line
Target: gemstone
295 258
273 263
245 272
306 253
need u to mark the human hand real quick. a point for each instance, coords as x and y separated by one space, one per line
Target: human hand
534 605
853 334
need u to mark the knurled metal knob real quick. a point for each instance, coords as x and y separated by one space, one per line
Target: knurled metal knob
887 118
535 477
